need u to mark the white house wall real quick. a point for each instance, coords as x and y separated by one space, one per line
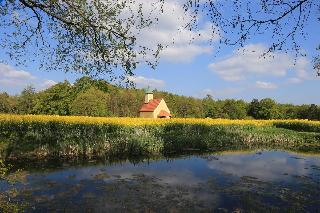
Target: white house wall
162 106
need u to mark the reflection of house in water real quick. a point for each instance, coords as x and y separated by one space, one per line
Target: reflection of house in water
154 108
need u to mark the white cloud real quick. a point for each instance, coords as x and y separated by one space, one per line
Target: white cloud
183 53
7 82
206 92
294 80
142 81
223 93
48 83
12 79
8 72
181 44
265 85
301 67
247 62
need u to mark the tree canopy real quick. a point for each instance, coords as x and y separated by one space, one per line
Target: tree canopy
89 37
99 98
99 36
92 102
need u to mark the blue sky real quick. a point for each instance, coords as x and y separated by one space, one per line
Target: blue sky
198 68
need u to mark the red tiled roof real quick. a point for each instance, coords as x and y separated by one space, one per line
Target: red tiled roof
151 106
164 114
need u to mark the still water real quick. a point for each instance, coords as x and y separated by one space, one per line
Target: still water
257 181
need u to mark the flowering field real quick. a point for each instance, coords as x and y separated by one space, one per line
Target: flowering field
41 136
143 121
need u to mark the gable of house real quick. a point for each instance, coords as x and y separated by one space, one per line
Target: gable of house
161 107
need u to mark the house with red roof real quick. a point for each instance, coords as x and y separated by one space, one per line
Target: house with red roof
154 108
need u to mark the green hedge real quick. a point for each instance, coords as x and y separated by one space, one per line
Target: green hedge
56 139
298 126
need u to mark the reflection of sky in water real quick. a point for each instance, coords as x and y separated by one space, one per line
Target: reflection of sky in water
178 171
209 180
267 166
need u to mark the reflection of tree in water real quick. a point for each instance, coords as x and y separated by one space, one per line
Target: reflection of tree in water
139 192
151 194
253 194
6 198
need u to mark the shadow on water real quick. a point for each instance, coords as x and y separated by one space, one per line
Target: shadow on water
240 181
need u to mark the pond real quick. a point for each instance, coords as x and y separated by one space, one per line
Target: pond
260 181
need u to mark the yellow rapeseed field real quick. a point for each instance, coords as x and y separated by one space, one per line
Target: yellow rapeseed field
139 121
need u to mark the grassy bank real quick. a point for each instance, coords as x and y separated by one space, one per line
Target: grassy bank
67 137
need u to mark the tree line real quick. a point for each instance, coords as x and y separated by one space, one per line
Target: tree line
92 97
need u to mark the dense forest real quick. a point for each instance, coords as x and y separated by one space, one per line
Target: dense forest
99 98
